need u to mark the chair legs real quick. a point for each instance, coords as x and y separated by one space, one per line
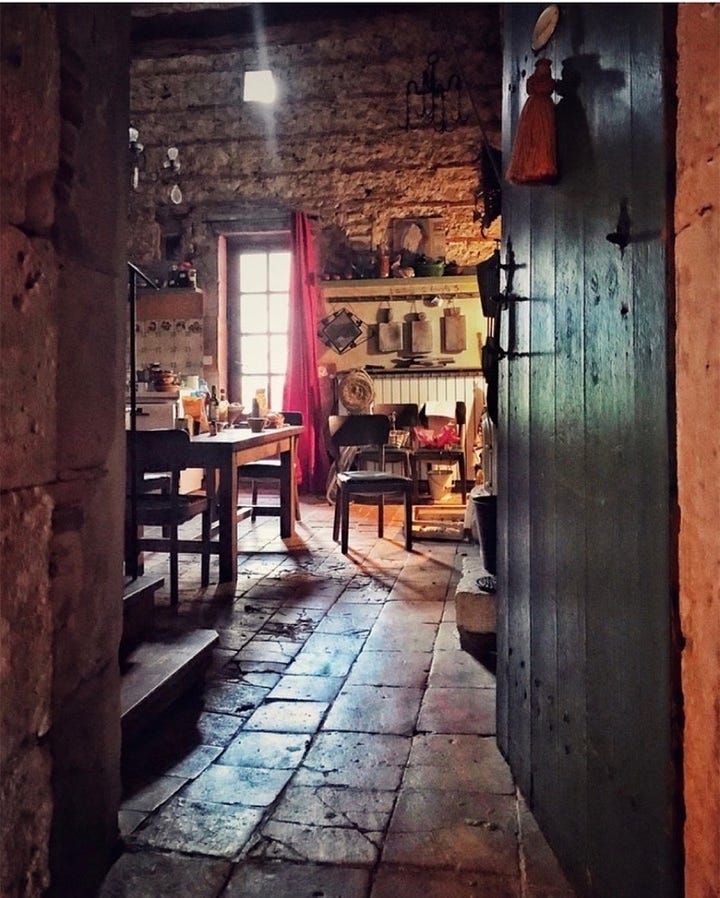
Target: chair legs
254 502
408 520
205 559
344 499
341 518
174 565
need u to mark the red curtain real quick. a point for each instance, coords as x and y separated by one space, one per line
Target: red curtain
302 385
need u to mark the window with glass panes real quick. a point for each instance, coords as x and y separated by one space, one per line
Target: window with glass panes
258 317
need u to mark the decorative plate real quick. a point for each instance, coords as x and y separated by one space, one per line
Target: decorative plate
545 27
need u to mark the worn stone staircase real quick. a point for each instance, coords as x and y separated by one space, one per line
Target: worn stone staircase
157 665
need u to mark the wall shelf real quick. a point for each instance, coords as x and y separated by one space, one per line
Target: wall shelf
400 289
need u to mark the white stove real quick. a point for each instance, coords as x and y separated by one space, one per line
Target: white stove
153 411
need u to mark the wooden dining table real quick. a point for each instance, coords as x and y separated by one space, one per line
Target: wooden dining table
220 455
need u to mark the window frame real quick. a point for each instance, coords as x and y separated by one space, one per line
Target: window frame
237 244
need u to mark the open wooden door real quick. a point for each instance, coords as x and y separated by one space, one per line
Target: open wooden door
587 671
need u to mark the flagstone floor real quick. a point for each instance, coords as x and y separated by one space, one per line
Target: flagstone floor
342 746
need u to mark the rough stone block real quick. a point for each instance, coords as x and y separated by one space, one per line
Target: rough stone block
475 610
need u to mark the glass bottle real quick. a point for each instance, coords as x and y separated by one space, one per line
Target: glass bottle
213 405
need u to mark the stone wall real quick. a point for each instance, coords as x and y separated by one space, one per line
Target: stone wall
334 145
697 224
62 251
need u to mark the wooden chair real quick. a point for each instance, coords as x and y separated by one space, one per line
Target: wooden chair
361 431
163 451
403 416
268 470
452 455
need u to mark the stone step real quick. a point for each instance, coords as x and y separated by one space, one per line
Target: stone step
138 611
156 673
476 611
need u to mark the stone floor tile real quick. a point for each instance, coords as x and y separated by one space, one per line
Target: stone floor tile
129 821
316 664
149 874
335 806
151 795
349 619
398 637
375 709
264 679
354 759
273 751
448 638
318 844
330 643
382 668
298 621
411 613
545 879
224 696
303 688
451 710
417 591
393 882
199 827
306 629
459 830
458 669
269 649
249 786
457 762
193 762
365 591
209 727
288 717
277 879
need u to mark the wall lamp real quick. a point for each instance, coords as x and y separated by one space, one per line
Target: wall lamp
136 154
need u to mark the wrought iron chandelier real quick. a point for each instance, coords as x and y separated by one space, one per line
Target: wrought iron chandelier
432 102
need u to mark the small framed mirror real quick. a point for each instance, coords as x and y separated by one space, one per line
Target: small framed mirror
341 330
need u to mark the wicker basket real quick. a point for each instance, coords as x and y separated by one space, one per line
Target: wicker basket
398 438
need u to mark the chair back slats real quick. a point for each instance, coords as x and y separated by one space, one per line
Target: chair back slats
162 451
359 430
407 414
295 419
158 450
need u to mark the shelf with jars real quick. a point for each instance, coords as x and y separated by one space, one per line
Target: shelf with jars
404 288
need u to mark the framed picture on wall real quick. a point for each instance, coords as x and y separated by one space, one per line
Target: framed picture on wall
416 237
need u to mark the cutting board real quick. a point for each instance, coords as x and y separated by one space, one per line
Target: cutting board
420 336
453 333
389 336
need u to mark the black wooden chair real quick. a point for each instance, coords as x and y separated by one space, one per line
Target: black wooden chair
166 452
360 432
404 416
267 470
451 455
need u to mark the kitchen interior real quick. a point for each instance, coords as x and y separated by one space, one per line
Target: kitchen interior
398 174
205 167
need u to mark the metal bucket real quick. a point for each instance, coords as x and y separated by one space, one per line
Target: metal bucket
486 517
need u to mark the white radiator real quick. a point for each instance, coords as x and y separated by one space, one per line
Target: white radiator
445 386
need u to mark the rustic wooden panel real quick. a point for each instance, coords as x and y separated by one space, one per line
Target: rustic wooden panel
584 594
453 333
571 482
516 340
544 759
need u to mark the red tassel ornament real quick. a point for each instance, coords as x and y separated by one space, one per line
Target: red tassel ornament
534 156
